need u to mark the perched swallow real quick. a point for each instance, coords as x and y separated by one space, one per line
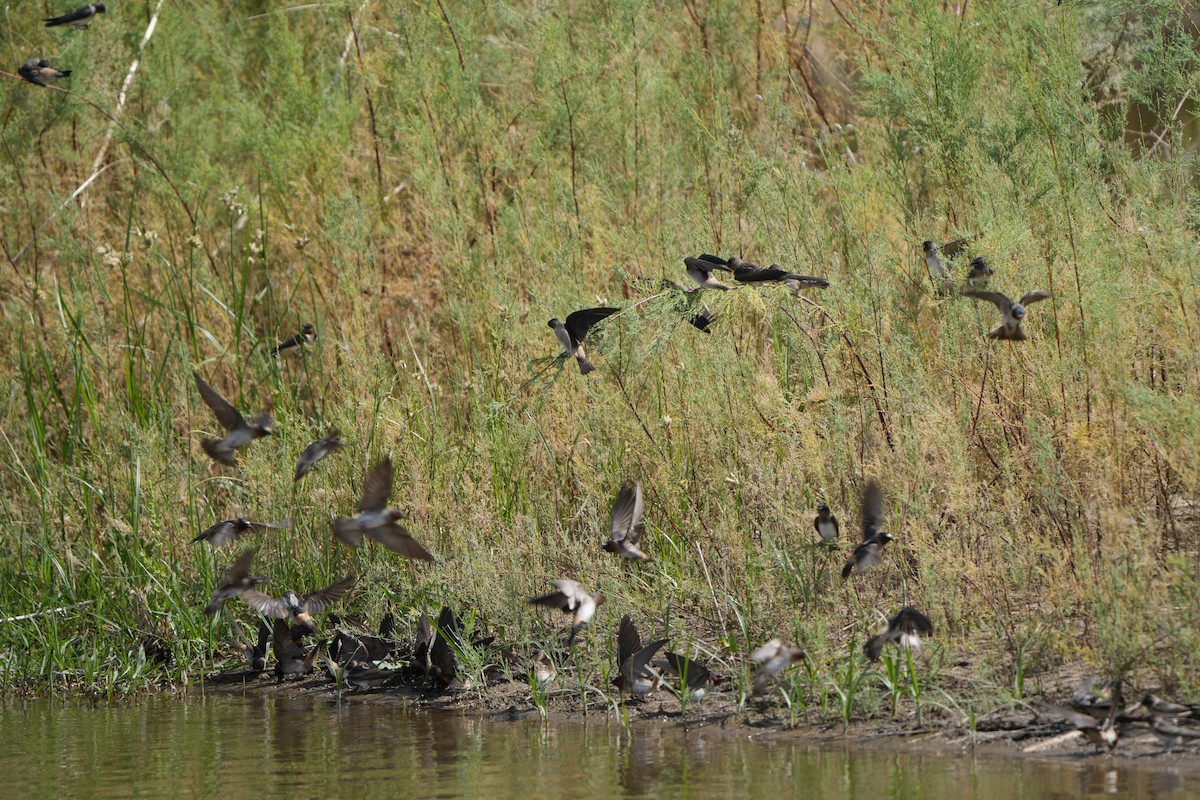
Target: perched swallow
1011 314
329 443
291 656
701 272
234 581
694 677
571 598
38 70
904 630
229 530
951 249
745 272
422 645
826 525
241 433
704 319
442 659
626 526
294 347
543 670
633 660
297 608
937 270
572 333
869 551
1168 728
378 521
772 658
79 18
1158 705
981 272
347 649
256 654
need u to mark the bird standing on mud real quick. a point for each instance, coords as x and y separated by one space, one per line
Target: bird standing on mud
1011 314
79 18
38 71
327 444
241 433
571 598
378 521
626 526
570 334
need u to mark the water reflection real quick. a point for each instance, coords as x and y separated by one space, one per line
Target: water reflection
235 746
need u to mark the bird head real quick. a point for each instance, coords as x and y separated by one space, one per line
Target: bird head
1017 311
929 247
554 322
264 425
823 510
308 330
100 9
886 537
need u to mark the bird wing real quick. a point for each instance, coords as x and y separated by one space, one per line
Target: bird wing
1035 296
558 600
66 19
238 570
286 522
714 262
766 651
872 509
580 322
627 514
1081 721
637 663
693 673
265 604
700 265
628 643
397 539
951 249
323 598
868 554
909 620
1000 301
222 409
377 488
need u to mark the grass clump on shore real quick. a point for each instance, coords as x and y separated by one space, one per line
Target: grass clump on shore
428 185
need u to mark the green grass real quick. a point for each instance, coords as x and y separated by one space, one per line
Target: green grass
429 185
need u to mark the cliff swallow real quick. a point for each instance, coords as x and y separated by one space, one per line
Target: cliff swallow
256 654
772 658
745 272
79 18
704 319
422 645
347 649
869 551
694 677
294 347
241 433
329 443
298 608
904 630
543 670
981 272
1158 705
378 521
442 659
626 526
571 598
291 656
1101 733
633 660
701 272
826 525
229 530
1171 731
572 333
38 70
1011 314
234 581
938 271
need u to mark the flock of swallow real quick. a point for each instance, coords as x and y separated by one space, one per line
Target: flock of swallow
39 70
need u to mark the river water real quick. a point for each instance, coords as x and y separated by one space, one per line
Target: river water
233 746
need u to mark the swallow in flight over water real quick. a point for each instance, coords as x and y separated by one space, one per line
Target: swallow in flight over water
869 552
626 526
700 270
905 630
570 597
38 70
1011 314
376 520
229 530
826 525
294 347
241 433
296 608
694 677
572 333
633 660
773 658
79 18
234 581
329 443
981 272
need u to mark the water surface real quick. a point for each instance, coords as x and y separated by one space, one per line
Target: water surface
234 746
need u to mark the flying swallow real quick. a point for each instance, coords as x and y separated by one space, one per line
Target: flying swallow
981 272
633 660
571 598
79 18
376 520
626 526
904 630
572 333
869 551
701 272
704 319
234 581
772 658
241 433
291 656
826 525
694 677
229 530
1011 314
294 347
329 443
952 248
38 70
298 608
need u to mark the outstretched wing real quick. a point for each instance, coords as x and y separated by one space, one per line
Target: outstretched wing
1000 301
222 409
872 509
377 488
265 604
580 322
323 598
397 539
910 621
627 514
1035 296
628 643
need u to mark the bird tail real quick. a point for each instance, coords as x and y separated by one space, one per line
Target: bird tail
585 366
874 646
64 73
346 531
